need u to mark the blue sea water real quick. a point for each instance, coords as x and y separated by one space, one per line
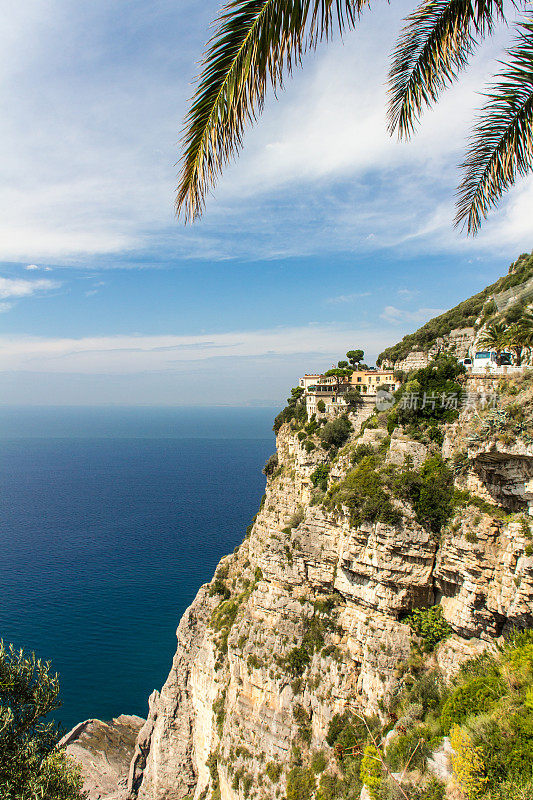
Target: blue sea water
110 520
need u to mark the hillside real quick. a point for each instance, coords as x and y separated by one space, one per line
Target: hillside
477 309
371 637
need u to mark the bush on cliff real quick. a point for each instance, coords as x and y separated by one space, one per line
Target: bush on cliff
294 410
430 396
336 432
429 490
30 766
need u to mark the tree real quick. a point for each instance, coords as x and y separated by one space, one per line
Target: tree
355 357
353 399
257 41
495 336
342 364
520 336
30 766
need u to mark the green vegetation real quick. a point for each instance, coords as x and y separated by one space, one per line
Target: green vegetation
274 770
313 639
300 783
294 410
362 491
461 316
430 625
336 432
319 478
271 465
30 766
424 400
429 491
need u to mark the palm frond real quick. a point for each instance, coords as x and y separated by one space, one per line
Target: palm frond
255 43
501 145
434 46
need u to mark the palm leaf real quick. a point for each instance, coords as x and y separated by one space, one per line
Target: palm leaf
501 146
256 41
434 46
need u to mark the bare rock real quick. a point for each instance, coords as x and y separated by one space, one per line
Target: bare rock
104 750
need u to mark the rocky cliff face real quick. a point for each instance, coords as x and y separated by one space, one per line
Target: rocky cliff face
305 618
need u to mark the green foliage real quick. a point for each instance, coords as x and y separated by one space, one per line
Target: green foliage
300 783
294 410
432 382
363 492
336 432
321 406
430 625
219 587
273 770
461 316
371 771
429 490
353 399
319 762
361 451
271 465
314 629
355 356
409 749
319 477
476 696
303 720
29 766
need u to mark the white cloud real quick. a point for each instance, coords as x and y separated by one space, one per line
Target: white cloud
32 267
318 172
397 315
347 298
18 287
5 307
408 294
137 354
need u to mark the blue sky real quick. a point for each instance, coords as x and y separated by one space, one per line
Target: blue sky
325 234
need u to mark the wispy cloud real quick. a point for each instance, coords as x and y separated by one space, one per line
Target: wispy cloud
347 298
408 294
318 173
33 267
137 354
399 315
18 287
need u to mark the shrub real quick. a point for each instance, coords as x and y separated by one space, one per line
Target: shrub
475 696
29 764
319 477
362 491
319 762
430 625
429 490
410 748
467 764
432 382
371 771
303 720
294 410
273 770
271 465
336 432
321 406
300 784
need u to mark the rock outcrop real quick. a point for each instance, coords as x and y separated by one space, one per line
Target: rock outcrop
104 750
306 618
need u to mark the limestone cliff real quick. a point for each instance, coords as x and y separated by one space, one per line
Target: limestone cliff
307 617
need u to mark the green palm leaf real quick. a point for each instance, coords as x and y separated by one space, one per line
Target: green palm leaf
434 46
256 41
502 142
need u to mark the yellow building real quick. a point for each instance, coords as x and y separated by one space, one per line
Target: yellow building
368 381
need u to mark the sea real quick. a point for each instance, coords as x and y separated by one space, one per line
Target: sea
110 521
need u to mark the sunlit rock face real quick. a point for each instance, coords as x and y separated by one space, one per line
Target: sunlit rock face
309 577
